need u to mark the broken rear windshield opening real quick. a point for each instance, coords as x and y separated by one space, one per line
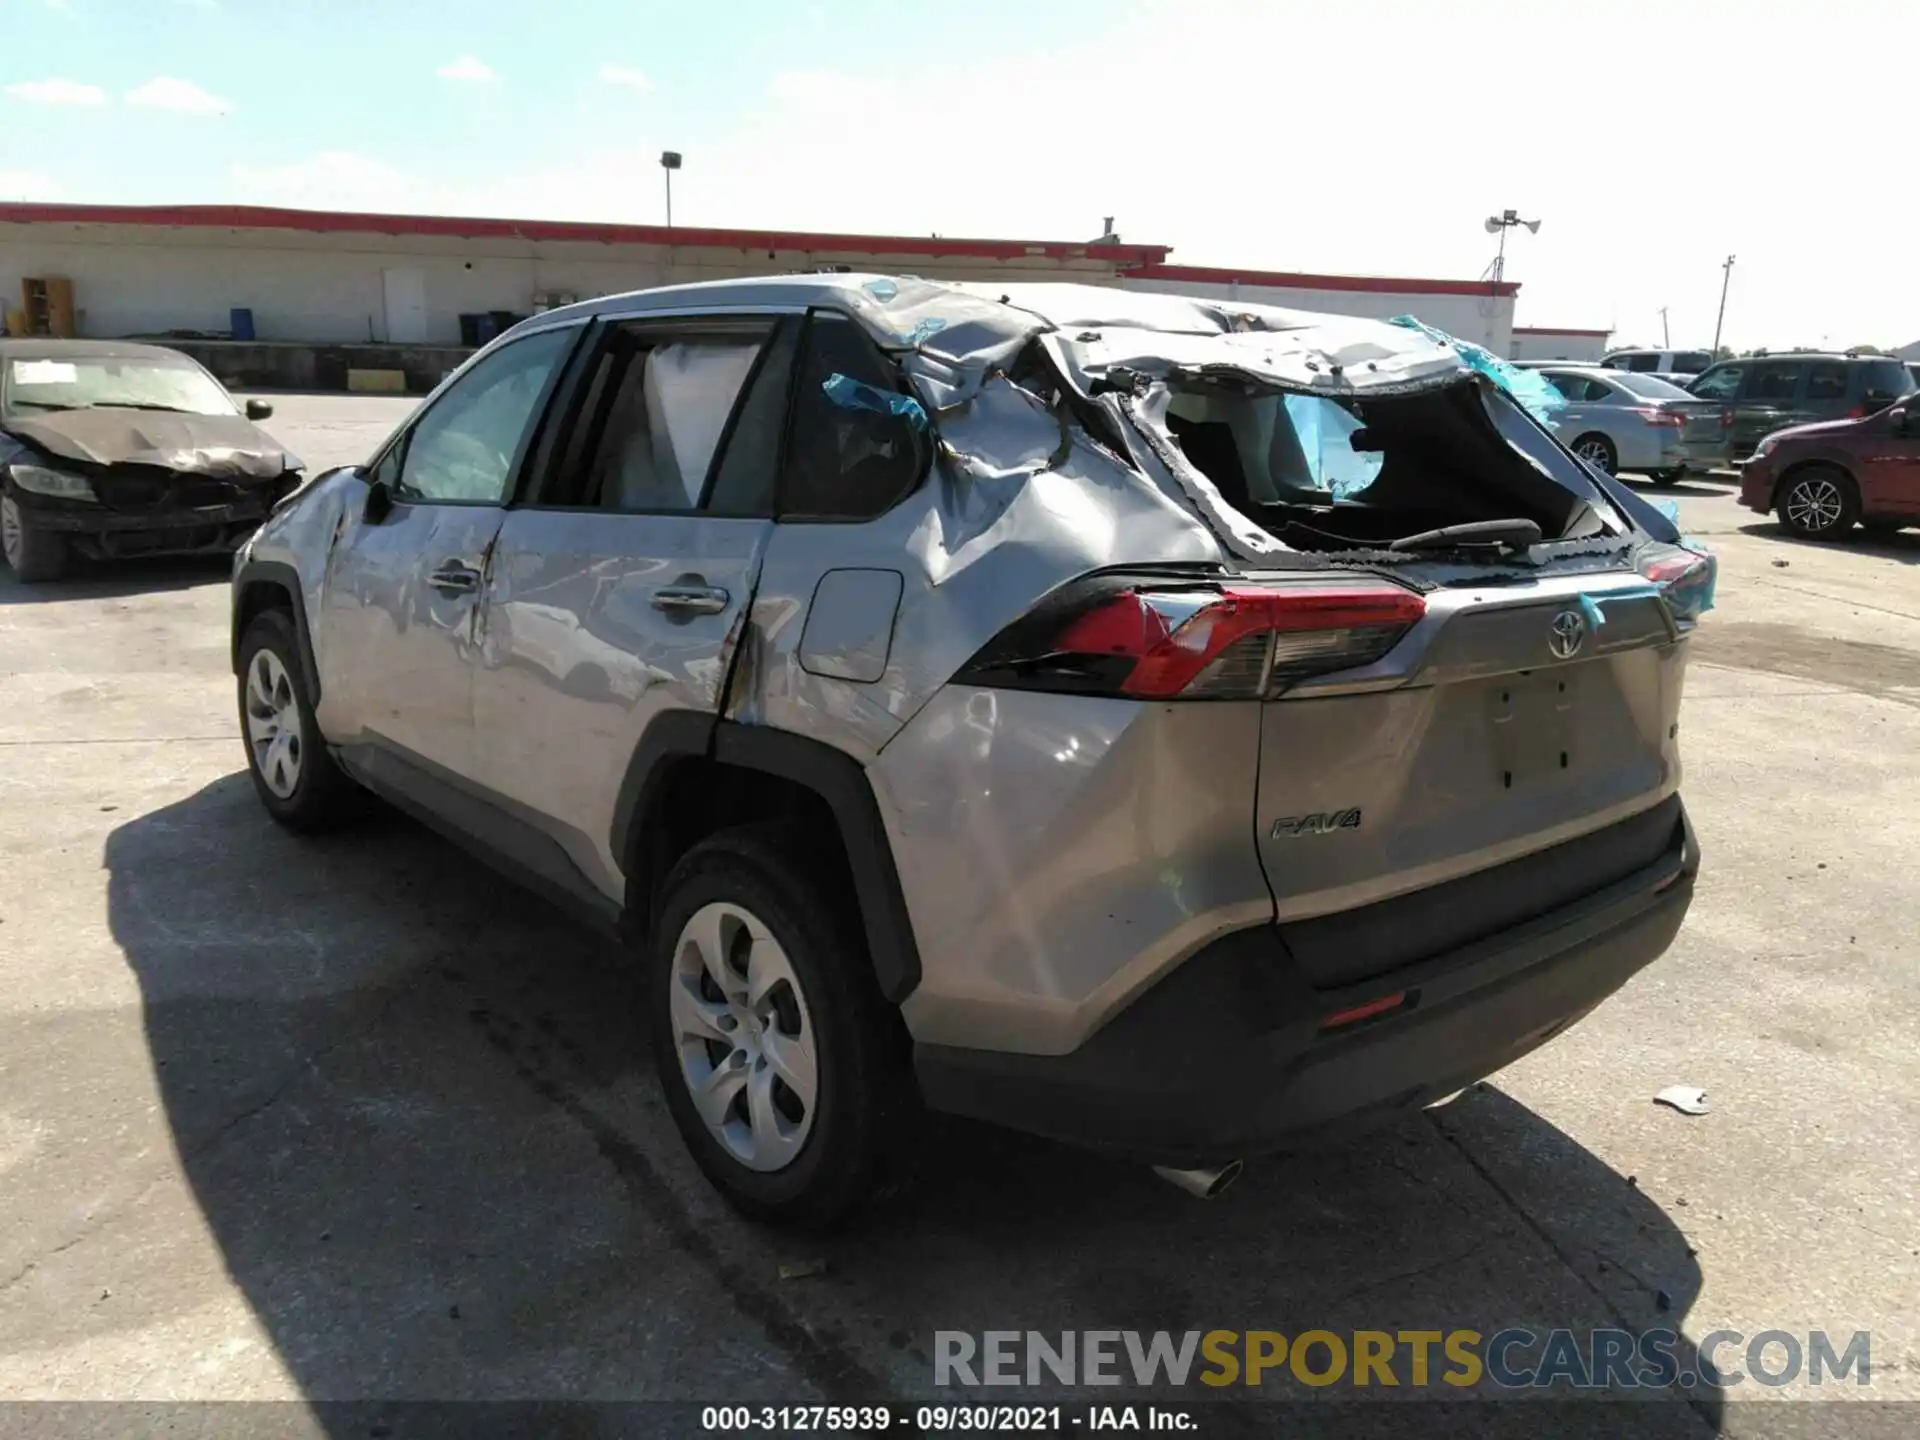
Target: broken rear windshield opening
1336 474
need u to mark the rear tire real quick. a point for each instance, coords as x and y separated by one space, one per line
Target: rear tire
762 1002
1818 502
287 758
1666 477
34 555
1597 450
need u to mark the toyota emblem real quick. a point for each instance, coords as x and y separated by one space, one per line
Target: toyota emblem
1568 633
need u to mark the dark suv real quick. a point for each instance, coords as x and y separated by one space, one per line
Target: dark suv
1771 392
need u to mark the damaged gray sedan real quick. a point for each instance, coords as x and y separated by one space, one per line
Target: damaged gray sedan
1186 730
110 449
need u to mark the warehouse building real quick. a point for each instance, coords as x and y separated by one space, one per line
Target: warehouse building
300 297
1534 342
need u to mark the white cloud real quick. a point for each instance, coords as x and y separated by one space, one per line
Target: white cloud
58 92
164 92
466 68
29 185
1385 166
626 75
334 180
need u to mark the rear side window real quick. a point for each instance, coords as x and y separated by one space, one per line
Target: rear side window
1777 380
1885 377
851 453
1827 381
1642 360
1722 383
655 412
1691 362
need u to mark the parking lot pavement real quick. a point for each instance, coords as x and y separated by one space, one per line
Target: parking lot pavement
348 1119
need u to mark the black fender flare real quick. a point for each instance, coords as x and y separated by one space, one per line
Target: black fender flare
278 575
832 774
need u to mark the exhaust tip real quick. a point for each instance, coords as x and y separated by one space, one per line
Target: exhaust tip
1205 1183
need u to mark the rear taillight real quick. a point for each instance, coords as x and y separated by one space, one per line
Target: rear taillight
1858 412
1726 419
1685 577
1662 417
1155 641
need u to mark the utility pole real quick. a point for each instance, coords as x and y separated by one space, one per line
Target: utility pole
1666 340
1726 276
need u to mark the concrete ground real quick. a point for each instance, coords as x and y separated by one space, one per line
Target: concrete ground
348 1119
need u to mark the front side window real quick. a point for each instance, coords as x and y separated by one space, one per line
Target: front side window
856 444
465 447
1721 383
1643 360
1691 362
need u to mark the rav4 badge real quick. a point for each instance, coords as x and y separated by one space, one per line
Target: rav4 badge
1325 823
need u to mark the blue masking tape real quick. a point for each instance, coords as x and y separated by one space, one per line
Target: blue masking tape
851 394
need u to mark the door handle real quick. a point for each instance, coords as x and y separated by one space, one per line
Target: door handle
690 599
454 578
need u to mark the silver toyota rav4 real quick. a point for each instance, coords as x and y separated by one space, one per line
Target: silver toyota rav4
1176 727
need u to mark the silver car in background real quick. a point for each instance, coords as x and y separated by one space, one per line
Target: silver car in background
1619 420
1176 728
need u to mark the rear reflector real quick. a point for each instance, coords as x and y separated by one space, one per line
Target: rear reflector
1228 641
1357 1013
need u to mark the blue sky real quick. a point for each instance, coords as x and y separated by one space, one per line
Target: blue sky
1366 137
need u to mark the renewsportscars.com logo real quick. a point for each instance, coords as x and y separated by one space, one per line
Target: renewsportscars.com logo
1514 1358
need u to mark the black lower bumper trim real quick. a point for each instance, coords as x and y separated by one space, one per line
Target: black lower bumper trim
1225 1056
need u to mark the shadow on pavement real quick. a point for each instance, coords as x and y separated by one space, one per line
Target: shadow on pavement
110 579
416 1110
1900 545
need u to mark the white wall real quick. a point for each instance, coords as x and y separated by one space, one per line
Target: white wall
301 286
1557 345
1484 319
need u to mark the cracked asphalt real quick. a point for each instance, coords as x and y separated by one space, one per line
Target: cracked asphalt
350 1120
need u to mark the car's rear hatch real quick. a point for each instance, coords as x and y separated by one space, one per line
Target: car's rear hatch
1505 738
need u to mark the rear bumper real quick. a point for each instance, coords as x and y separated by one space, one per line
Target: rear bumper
1226 1058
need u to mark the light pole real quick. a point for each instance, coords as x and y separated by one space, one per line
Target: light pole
669 162
1666 339
1726 276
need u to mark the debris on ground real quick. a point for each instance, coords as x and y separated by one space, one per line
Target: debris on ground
1687 1099
1663 1299
802 1269
1779 564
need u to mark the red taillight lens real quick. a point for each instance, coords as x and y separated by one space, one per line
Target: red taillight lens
1663 418
1726 419
1858 412
1221 642
1685 577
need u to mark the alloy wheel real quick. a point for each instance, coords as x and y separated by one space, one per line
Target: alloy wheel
1814 504
11 535
273 723
1594 452
744 1036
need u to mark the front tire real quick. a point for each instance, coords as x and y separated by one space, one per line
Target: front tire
1597 450
1819 502
293 774
1667 477
34 555
783 1066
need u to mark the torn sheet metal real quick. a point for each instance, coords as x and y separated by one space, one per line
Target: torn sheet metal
225 447
1529 387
